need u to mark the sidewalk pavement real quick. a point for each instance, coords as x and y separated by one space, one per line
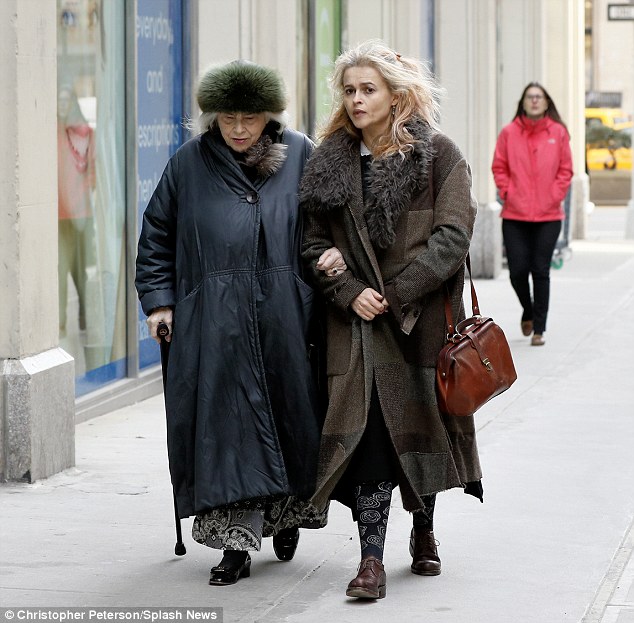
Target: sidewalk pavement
552 542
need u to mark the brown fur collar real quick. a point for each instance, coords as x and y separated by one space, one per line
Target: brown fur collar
328 181
266 156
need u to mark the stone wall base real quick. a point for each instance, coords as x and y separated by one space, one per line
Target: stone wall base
579 198
37 409
486 243
612 188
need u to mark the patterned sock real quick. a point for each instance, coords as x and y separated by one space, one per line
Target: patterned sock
373 510
424 517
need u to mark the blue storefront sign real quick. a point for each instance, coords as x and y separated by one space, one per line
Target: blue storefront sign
159 112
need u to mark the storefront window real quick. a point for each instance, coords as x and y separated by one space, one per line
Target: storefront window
91 188
160 113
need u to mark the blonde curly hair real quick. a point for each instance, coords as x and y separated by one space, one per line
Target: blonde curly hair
408 78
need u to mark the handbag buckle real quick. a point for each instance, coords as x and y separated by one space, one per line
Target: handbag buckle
487 364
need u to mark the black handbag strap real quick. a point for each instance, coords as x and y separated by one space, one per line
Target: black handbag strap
475 308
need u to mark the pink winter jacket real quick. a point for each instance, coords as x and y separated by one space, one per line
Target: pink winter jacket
532 167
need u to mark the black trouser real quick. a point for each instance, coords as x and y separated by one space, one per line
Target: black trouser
529 251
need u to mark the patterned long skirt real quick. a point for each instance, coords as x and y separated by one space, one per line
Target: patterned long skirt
241 526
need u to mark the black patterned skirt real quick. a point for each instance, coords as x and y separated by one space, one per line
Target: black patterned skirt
241 525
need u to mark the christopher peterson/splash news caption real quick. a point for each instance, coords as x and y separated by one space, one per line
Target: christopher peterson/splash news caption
105 614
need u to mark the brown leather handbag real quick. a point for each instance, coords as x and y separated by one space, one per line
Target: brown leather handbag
476 363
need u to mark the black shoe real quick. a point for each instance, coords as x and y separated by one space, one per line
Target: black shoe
285 543
225 574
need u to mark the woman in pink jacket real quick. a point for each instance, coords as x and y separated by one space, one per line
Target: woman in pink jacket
532 167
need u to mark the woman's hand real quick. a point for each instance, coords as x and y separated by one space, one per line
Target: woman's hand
331 262
158 315
369 304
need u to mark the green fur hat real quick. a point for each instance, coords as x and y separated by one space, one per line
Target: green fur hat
241 86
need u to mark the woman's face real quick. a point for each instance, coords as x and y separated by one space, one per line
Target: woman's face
241 130
368 101
535 103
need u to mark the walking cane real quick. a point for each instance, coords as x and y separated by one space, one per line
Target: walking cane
163 331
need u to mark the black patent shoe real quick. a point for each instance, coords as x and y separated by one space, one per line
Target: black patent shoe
285 543
225 574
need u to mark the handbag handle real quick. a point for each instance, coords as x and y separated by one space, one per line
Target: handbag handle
451 329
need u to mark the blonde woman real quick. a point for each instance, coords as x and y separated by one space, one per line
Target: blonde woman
393 195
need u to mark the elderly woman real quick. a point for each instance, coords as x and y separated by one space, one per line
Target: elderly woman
219 263
393 195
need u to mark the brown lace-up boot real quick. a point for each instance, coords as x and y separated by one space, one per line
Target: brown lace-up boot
370 581
424 552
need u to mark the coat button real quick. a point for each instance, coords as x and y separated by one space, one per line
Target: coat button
416 313
252 197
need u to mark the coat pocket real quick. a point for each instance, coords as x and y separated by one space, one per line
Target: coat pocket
422 345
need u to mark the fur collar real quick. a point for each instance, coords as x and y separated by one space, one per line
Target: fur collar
394 181
266 156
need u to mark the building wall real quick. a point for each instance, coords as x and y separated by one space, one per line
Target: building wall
466 68
564 67
613 53
372 20
262 32
520 53
28 181
221 34
37 406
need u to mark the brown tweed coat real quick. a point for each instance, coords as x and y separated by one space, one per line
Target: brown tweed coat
407 241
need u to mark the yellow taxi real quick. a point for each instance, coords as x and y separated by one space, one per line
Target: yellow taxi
608 139
612 117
